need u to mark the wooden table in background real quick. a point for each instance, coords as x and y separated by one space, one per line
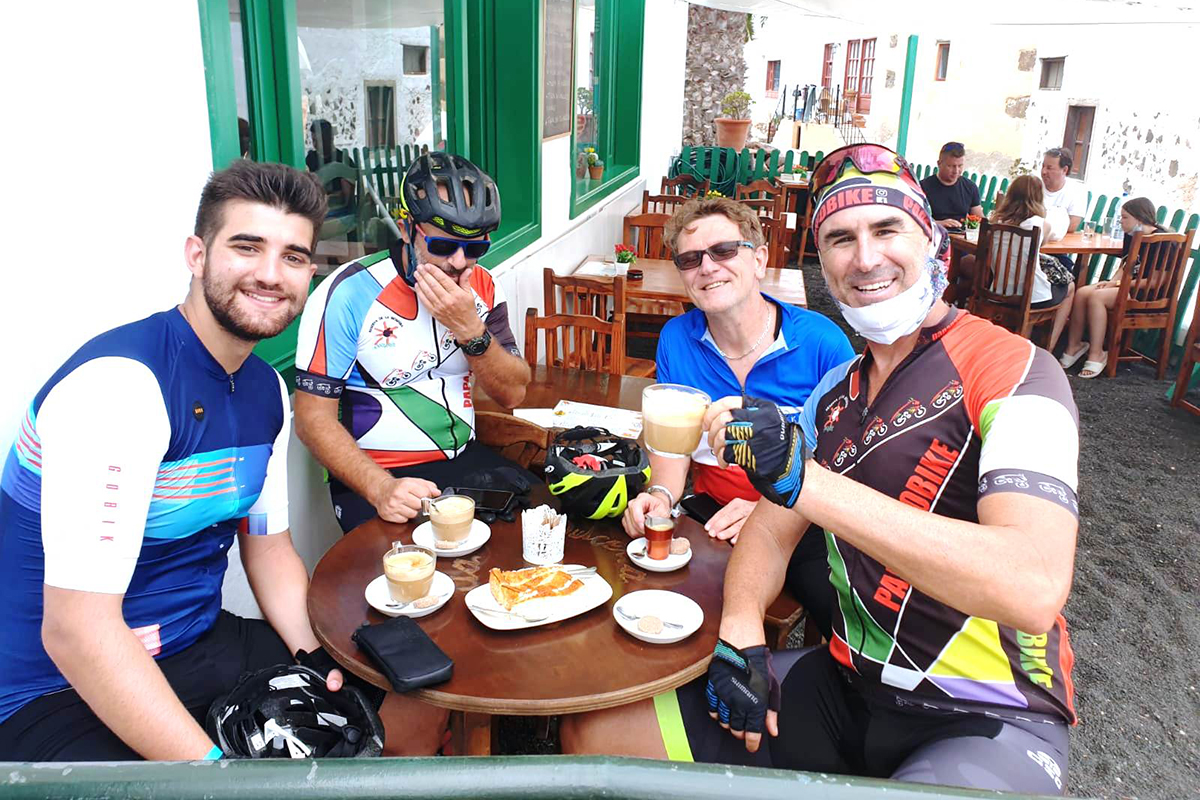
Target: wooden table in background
1072 243
551 384
581 664
661 282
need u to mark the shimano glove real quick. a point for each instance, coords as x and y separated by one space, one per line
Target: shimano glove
771 450
742 686
321 662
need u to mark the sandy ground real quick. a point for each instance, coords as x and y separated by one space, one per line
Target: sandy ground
1134 609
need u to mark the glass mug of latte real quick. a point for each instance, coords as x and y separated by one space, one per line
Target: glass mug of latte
451 516
409 571
671 416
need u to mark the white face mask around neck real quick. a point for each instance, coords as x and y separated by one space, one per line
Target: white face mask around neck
888 320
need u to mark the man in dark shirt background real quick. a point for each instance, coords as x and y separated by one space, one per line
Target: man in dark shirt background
951 195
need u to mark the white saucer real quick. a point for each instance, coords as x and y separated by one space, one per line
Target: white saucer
668 564
378 596
476 538
667 606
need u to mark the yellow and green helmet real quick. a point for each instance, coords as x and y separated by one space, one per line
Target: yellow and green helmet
472 207
594 473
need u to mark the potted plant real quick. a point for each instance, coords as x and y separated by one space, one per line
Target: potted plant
734 125
712 193
971 224
625 254
595 165
585 119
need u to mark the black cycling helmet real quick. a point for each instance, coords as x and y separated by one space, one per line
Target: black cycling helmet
594 473
473 207
286 712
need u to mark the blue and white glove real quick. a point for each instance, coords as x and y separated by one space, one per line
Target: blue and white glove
771 450
742 687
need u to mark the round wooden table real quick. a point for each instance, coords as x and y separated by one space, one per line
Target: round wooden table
581 664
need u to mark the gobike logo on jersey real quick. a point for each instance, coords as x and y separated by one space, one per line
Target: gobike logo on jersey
833 412
877 428
384 332
846 450
447 340
1018 479
423 360
949 393
910 410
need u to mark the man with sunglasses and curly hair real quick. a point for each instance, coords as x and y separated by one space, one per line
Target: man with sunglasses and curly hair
942 463
736 340
390 344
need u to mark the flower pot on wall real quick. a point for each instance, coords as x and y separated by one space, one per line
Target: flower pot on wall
732 132
596 173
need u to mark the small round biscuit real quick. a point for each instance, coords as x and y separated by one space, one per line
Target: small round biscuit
679 546
650 624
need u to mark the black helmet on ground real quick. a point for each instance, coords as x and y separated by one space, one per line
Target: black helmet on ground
286 712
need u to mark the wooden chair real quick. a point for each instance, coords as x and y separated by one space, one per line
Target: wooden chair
763 196
662 203
1188 362
1006 257
516 439
777 235
685 185
592 296
644 232
588 343
782 617
1149 302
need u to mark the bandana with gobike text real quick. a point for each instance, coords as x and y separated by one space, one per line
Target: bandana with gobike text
854 188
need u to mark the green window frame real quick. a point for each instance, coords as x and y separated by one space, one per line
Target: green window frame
493 104
618 102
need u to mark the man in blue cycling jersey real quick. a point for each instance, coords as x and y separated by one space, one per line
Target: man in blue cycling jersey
133 468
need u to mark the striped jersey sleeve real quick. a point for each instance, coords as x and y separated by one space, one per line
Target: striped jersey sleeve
1020 403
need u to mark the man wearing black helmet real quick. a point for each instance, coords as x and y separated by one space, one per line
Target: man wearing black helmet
395 338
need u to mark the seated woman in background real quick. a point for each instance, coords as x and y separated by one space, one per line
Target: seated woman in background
1137 215
1023 206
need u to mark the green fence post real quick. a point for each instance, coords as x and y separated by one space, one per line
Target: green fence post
910 70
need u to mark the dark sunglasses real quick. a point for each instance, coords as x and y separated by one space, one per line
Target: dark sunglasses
443 247
721 251
866 158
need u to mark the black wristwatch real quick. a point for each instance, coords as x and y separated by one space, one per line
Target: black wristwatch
477 346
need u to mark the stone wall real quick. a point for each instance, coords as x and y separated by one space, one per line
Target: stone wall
716 66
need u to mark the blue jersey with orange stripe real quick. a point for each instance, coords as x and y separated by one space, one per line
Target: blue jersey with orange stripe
134 467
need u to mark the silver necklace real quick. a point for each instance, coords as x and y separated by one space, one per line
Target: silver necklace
753 347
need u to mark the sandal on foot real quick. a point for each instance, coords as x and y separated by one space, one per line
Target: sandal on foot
1067 360
1092 369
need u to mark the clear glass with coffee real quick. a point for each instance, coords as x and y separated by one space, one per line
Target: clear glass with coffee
450 516
409 569
659 531
671 417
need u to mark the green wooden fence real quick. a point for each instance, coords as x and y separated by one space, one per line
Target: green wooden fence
385 166
1101 268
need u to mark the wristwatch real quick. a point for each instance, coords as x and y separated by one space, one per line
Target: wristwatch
476 346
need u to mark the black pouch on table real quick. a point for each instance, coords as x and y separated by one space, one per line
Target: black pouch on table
404 653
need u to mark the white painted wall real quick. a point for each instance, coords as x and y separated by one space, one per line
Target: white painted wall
109 181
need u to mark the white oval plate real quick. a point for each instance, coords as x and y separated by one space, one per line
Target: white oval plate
476 538
667 606
595 592
379 597
669 564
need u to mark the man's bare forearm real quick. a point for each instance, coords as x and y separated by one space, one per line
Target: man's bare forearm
502 375
1014 566
756 571
332 445
279 581
109 667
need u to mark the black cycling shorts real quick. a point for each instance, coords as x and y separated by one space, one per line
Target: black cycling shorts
61 726
827 725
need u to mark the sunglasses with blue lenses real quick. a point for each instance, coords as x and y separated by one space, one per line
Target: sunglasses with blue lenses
443 246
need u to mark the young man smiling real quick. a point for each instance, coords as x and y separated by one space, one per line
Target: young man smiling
943 466
135 466
390 344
